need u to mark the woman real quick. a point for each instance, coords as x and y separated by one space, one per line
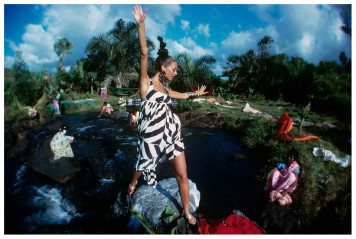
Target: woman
106 109
282 180
158 128
60 144
103 93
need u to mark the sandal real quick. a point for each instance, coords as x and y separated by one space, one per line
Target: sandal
190 219
131 188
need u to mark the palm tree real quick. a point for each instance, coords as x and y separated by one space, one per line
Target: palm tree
116 53
62 47
192 72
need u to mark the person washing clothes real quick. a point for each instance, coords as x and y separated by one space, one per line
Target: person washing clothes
282 180
60 144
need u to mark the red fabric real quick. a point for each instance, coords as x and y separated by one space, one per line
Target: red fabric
286 124
233 224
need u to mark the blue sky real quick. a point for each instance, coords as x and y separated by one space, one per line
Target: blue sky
310 31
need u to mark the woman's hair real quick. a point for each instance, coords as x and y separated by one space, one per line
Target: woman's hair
63 127
294 152
163 58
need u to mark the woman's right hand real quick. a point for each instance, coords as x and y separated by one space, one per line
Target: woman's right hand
138 15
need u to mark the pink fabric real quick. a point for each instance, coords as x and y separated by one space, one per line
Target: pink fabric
32 112
282 179
281 199
103 94
109 109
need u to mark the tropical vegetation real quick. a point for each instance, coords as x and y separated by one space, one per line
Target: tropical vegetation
271 83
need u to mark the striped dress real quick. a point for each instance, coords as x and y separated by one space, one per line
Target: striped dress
159 134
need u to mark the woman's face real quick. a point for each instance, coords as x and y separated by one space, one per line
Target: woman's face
170 70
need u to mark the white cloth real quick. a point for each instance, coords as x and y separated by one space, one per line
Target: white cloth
248 109
330 156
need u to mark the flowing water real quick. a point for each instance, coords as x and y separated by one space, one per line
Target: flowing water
84 205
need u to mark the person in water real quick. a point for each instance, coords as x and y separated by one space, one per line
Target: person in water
282 180
60 144
106 109
159 130
32 112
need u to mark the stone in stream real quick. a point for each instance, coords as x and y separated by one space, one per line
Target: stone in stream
60 170
151 202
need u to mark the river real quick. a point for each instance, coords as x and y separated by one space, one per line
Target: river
34 204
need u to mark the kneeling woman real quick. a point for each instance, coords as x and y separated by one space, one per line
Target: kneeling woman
159 135
282 180
60 144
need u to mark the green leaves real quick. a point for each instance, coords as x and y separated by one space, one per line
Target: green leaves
143 221
168 212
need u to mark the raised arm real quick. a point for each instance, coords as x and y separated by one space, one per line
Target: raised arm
140 17
182 96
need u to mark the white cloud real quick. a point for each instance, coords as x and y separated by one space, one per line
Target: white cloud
203 29
184 25
309 31
187 44
163 13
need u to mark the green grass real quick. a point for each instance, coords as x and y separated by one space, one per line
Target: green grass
258 136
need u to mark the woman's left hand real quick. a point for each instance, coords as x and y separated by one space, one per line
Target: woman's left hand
201 90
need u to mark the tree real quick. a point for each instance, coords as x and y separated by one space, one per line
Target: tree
62 47
192 72
116 53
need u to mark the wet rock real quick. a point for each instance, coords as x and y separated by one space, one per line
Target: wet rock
116 115
60 170
280 219
151 202
54 126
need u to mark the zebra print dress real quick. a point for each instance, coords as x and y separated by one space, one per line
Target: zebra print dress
159 134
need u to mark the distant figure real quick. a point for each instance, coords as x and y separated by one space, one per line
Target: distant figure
60 144
32 112
282 180
106 109
134 119
103 93
56 107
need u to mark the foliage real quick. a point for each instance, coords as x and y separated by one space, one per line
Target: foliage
293 80
167 212
115 53
192 72
62 47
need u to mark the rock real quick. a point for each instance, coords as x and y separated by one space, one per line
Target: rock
151 202
60 170
54 126
116 115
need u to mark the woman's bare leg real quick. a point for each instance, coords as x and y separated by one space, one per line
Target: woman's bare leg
180 171
134 179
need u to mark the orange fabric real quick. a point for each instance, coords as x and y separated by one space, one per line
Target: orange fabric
233 224
286 125
211 100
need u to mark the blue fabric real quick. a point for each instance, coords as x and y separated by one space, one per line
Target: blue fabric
81 101
296 171
281 165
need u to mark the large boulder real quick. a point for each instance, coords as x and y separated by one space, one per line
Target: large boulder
151 202
60 170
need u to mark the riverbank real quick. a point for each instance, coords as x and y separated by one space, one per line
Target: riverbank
323 196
